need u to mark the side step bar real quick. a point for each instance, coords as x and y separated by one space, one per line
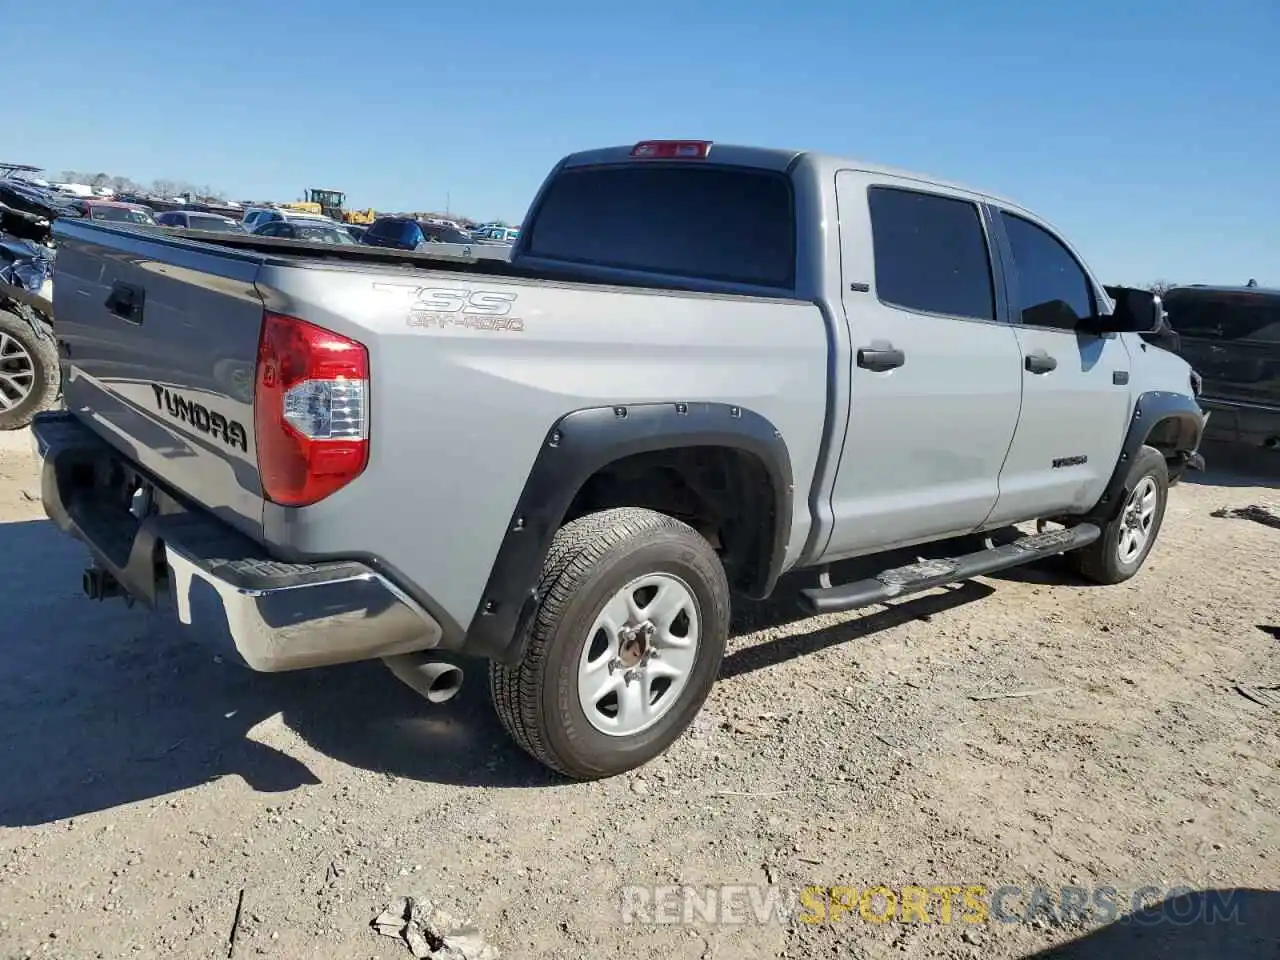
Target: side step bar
927 574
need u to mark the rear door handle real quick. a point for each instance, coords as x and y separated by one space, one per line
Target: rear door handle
1040 362
126 301
880 356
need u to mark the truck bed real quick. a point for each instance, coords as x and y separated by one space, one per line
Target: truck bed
280 251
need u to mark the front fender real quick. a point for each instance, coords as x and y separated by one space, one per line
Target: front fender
1180 423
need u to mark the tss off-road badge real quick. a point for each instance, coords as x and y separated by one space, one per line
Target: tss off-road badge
443 308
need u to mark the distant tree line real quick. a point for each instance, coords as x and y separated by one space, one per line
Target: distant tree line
161 187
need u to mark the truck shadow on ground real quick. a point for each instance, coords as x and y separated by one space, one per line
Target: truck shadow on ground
783 608
103 705
1236 465
1229 924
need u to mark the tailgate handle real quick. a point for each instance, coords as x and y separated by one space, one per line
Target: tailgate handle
125 300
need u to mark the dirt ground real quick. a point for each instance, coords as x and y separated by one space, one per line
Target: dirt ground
145 784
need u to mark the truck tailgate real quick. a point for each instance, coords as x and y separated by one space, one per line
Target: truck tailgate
159 339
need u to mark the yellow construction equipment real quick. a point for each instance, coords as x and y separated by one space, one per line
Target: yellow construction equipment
302 206
330 204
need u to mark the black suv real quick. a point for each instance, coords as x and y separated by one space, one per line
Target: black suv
1231 337
405 233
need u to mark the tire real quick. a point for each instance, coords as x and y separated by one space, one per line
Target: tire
591 564
1104 561
29 375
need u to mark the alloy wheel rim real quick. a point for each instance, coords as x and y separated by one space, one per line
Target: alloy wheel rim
1137 520
17 372
639 655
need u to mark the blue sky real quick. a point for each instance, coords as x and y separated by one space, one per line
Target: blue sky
1149 131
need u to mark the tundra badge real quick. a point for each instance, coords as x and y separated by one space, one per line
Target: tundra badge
231 432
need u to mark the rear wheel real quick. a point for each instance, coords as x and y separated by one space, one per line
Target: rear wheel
1127 540
28 371
624 648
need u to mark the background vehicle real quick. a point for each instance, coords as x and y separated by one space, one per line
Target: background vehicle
27 211
153 203
1231 336
360 217
111 210
313 231
331 204
303 206
29 375
442 240
498 234
565 463
356 231
256 216
328 202
231 211
407 233
199 221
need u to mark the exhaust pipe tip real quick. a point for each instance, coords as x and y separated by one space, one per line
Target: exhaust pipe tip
436 681
99 585
1272 443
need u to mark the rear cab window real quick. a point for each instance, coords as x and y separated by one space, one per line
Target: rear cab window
720 223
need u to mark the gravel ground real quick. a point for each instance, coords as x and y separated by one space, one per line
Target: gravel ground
146 784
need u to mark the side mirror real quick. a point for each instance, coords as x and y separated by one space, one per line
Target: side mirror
1136 311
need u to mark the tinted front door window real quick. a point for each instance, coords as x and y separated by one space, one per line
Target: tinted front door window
1051 288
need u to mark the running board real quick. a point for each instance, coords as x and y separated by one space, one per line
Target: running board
927 574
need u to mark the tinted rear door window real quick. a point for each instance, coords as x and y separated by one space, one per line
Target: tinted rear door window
931 253
690 220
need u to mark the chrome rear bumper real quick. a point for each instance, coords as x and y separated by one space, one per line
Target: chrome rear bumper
276 615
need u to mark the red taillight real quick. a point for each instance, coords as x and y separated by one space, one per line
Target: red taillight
671 149
310 410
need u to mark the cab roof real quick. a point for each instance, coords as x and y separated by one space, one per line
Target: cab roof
781 160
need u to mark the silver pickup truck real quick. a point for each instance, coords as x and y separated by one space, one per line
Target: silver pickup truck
704 366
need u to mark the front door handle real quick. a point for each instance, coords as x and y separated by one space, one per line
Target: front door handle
1040 362
880 356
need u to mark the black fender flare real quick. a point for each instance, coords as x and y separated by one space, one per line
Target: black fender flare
1151 409
578 445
